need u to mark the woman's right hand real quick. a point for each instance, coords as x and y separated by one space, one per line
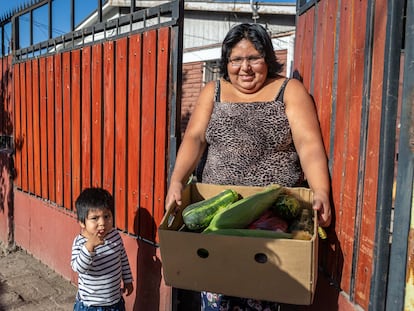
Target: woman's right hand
173 198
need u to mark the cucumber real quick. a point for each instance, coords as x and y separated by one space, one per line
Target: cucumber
243 212
197 216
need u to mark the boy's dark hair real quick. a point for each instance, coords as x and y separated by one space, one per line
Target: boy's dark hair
93 198
261 40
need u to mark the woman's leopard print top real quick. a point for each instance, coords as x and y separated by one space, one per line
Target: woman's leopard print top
251 144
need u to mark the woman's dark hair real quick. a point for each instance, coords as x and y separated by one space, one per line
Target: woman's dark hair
256 34
93 198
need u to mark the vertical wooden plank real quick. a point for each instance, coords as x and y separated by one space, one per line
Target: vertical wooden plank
358 41
347 133
324 58
109 117
304 47
76 129
320 37
9 95
120 133
43 127
18 139
2 94
51 162
308 48
134 131
148 134
96 115
67 129
299 34
161 131
29 120
340 148
36 129
58 130
24 173
364 268
86 118
331 257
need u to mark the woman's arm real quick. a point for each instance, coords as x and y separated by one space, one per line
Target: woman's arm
306 133
192 146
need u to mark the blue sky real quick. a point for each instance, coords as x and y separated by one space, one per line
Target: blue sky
8 5
61 23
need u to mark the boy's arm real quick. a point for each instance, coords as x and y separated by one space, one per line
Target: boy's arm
126 273
126 269
81 259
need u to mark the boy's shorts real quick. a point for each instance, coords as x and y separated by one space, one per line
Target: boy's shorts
80 306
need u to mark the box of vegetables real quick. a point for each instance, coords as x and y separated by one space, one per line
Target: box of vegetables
252 242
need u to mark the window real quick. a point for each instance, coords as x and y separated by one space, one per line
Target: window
211 70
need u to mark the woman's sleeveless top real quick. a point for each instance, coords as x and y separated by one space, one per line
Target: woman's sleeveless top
251 144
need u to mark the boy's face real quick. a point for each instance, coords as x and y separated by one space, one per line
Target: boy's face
97 223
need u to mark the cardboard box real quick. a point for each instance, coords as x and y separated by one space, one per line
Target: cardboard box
282 270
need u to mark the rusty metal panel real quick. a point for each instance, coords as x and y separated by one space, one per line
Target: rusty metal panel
324 66
370 163
345 78
304 49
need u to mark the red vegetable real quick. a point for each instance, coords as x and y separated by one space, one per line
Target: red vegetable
269 221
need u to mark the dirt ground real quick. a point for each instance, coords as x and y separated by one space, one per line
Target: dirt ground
26 284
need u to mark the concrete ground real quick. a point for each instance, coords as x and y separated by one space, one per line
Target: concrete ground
26 284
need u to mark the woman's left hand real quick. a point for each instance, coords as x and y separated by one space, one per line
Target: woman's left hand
322 205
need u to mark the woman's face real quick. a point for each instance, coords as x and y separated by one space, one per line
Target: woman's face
246 67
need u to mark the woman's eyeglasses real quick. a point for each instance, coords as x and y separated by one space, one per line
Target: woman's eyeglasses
251 60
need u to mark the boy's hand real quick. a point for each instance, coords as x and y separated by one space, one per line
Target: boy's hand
128 288
93 240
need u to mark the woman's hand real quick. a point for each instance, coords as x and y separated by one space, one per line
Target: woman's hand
173 198
322 205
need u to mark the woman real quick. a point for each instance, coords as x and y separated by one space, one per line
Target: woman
258 128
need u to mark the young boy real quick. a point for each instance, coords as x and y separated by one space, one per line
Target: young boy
98 255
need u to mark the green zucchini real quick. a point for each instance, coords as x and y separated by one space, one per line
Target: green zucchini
243 212
197 216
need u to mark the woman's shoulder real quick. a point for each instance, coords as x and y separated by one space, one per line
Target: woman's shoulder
296 92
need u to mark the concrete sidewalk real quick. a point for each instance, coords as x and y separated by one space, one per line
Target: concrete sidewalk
26 284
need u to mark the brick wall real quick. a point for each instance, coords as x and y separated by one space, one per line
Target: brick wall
192 84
